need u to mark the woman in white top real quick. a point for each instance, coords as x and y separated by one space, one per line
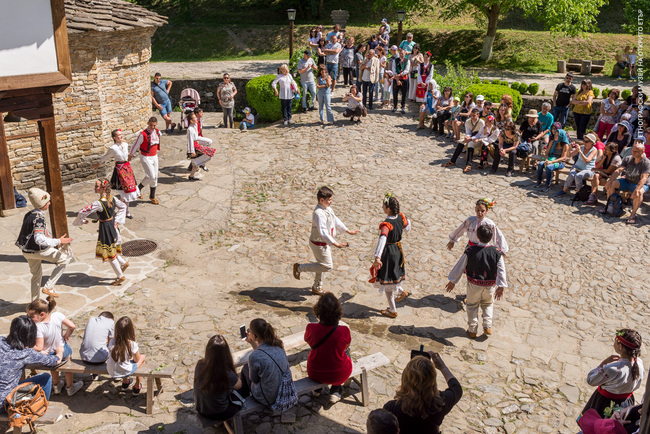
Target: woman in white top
355 106
288 88
313 37
197 149
123 180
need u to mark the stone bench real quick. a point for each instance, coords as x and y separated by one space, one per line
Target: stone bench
304 386
151 375
52 416
574 64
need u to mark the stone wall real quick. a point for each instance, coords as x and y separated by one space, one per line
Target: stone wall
207 88
535 102
109 90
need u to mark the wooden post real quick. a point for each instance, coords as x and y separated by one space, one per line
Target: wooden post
6 182
399 33
290 39
561 66
52 168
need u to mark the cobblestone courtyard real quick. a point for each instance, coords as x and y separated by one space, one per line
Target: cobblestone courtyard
227 243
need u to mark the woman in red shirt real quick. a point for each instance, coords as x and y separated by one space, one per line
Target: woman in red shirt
328 360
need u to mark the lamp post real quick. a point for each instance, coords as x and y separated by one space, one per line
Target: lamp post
400 18
291 13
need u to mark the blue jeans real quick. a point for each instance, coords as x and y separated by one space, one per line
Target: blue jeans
368 88
44 380
376 87
560 114
549 171
67 351
333 70
324 99
311 88
245 126
286 108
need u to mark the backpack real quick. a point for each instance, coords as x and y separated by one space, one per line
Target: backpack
287 395
20 200
614 205
523 149
582 195
24 404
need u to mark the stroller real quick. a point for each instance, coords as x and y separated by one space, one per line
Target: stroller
190 99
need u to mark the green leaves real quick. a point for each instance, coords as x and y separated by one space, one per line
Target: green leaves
632 14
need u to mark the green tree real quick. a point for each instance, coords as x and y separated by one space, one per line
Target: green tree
567 16
635 10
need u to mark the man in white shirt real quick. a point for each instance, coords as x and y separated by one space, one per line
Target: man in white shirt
323 227
37 245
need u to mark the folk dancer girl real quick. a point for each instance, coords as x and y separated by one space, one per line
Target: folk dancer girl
110 211
198 149
123 179
388 269
471 224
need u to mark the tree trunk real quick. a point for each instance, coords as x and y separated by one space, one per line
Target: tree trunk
493 20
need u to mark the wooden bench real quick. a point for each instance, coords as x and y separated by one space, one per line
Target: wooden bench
304 386
574 64
556 173
148 373
597 66
52 416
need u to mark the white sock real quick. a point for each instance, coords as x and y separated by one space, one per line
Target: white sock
116 267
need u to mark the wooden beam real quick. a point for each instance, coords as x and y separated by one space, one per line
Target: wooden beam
6 182
45 79
54 186
59 130
61 38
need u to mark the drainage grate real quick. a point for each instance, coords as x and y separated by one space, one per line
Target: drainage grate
138 247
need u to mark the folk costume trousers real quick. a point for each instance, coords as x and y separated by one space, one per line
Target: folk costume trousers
56 256
323 256
483 297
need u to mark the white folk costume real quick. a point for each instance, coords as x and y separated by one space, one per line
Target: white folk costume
200 146
425 82
148 143
470 226
110 211
389 249
37 246
324 227
485 269
123 180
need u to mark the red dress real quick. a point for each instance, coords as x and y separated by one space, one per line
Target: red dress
328 364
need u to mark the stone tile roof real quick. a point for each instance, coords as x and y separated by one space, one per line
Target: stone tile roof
108 16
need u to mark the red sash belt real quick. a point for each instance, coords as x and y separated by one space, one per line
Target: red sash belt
318 243
611 395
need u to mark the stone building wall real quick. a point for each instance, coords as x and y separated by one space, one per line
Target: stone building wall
109 90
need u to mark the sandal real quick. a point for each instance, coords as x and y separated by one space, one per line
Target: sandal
631 221
467 169
118 281
448 164
388 313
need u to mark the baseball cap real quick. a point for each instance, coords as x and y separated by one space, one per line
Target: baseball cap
384 20
394 47
480 98
456 99
307 52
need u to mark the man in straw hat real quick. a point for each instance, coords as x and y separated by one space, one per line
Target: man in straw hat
37 246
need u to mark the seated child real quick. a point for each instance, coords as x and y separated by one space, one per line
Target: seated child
99 331
248 123
124 355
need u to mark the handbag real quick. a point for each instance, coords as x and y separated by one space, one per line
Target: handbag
414 73
421 90
287 395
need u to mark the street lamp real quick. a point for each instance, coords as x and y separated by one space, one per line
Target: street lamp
400 18
291 13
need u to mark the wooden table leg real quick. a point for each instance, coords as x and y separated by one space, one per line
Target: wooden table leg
150 393
365 393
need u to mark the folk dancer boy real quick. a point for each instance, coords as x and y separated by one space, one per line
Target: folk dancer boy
148 143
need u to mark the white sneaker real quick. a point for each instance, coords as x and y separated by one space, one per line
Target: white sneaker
286 122
291 121
76 386
335 397
57 388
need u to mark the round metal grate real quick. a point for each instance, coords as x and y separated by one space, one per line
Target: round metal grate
138 247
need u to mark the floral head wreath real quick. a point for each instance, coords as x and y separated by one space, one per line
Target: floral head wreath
387 197
487 202
620 336
103 183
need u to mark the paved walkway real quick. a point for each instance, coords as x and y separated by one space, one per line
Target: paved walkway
228 241
250 69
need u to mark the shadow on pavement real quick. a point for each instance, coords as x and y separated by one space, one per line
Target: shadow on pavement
8 308
439 335
82 280
12 258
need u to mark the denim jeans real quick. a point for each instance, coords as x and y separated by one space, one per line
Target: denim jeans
311 88
578 176
367 89
560 114
376 87
286 108
324 99
333 70
549 171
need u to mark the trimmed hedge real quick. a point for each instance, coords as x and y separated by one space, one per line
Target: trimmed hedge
626 93
485 81
523 87
605 93
514 85
596 91
261 97
494 92
533 88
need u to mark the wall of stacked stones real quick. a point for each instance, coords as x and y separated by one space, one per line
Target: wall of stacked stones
109 90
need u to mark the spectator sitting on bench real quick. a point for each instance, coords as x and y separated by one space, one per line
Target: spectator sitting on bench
97 335
556 154
583 166
328 361
381 421
637 169
419 406
473 132
125 357
621 136
532 131
16 351
546 119
508 142
604 168
50 338
262 375
622 60
214 380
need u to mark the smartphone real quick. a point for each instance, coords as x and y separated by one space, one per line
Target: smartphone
242 332
420 352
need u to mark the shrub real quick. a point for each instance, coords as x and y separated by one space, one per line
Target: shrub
606 92
523 87
504 83
476 80
494 92
596 91
514 85
485 81
293 62
261 97
533 88
456 77
626 93
543 92
495 81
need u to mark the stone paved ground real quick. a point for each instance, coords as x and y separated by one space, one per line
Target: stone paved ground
228 242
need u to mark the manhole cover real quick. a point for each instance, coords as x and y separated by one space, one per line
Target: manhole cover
138 247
